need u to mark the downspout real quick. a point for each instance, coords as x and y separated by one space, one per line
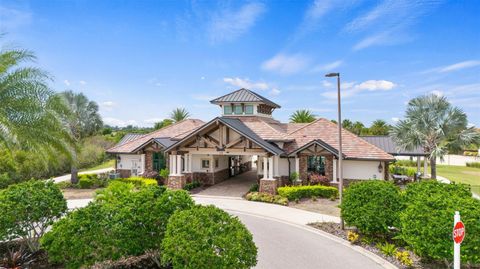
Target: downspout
289 172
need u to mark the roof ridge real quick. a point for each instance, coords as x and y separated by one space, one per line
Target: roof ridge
310 123
228 94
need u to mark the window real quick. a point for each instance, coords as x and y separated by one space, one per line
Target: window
227 110
238 110
249 109
205 164
316 164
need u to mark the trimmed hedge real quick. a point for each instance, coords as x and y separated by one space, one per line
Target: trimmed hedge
426 222
298 192
137 181
205 237
267 198
473 164
372 206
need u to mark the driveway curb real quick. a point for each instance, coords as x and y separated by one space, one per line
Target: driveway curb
374 257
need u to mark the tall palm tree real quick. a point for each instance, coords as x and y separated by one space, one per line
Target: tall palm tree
302 116
179 114
357 128
30 112
347 124
84 120
379 127
433 124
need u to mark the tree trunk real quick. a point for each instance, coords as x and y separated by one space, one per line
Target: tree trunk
433 167
74 175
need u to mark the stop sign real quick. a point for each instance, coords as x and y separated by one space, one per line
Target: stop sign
458 232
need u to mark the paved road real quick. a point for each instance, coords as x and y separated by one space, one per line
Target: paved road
281 245
68 176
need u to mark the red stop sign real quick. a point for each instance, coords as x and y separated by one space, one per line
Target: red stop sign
458 232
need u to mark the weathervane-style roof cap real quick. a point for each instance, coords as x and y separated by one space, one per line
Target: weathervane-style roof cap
243 96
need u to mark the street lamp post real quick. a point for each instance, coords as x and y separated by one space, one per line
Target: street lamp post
340 154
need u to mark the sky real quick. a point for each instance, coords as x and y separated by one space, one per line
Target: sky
141 59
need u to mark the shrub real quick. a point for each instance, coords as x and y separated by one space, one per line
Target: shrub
137 181
65 185
294 176
473 164
298 192
191 186
404 258
402 170
267 198
85 183
316 179
122 221
372 206
254 188
387 249
426 222
207 237
353 237
151 259
164 173
28 208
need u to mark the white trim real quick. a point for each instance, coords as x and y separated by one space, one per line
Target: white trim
270 168
265 165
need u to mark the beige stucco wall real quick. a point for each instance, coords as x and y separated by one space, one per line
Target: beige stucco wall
353 169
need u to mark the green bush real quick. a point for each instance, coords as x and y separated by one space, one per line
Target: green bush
28 208
137 181
164 173
473 164
387 249
191 186
372 206
254 188
298 192
206 237
267 198
85 183
401 170
426 222
112 227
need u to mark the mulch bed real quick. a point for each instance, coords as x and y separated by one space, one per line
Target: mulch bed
334 229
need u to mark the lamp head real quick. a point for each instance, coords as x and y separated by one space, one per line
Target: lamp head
329 75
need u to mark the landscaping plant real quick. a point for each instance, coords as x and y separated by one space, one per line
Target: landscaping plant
27 209
205 237
137 181
267 198
293 193
387 249
372 206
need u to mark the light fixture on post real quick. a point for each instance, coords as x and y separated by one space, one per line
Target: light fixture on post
380 168
340 154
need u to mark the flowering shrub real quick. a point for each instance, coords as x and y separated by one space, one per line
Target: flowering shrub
317 179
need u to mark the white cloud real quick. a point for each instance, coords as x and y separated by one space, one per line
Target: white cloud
318 9
153 120
274 92
350 89
13 18
108 105
228 25
327 84
437 93
470 125
202 78
82 82
246 83
118 122
328 66
395 119
66 82
453 67
285 64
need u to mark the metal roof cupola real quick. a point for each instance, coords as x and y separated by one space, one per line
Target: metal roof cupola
244 102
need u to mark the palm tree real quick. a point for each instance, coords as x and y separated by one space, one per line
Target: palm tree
357 128
302 116
347 124
433 124
30 112
179 114
84 120
163 123
379 127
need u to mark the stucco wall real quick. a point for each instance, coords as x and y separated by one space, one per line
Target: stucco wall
126 161
361 169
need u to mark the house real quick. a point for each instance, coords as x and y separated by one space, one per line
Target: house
245 137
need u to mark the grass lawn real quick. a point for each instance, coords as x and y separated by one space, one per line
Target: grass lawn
461 174
107 164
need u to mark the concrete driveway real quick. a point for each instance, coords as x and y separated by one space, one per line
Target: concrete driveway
233 187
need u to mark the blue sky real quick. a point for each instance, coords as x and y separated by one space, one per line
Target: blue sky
141 59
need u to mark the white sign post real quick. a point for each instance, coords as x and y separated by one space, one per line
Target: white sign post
458 235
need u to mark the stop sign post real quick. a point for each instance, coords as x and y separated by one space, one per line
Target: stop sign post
458 236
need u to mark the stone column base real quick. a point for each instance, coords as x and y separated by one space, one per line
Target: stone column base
176 182
268 186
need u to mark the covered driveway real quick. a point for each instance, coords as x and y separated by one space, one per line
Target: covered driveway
236 186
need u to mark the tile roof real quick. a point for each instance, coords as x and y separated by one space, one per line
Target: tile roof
243 95
175 131
128 137
353 146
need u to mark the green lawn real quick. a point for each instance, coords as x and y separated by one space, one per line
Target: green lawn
461 174
107 164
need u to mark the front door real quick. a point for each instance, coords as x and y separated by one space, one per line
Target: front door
134 170
158 161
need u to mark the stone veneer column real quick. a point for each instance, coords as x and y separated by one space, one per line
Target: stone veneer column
148 161
176 182
385 171
329 167
268 185
303 168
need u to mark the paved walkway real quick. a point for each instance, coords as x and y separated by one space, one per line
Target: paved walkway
233 187
68 176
